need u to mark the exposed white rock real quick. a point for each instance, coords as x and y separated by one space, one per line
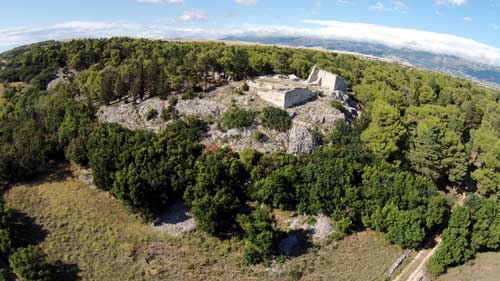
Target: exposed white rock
134 116
176 221
300 140
202 108
63 76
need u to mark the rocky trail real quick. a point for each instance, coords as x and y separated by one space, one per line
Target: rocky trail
414 271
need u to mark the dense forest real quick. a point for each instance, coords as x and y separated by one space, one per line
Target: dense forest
422 136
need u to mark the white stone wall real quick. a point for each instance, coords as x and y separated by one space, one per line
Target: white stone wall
286 99
327 80
276 98
297 97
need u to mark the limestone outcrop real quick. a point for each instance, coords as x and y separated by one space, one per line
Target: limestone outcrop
300 140
312 110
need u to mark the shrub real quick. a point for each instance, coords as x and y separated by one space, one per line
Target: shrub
77 151
218 192
30 264
259 136
169 113
278 189
259 229
151 114
338 105
317 136
276 119
237 118
189 96
245 87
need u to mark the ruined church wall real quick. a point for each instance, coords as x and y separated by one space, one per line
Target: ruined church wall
297 97
274 97
327 80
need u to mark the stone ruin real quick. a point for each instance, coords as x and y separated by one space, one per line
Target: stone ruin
282 91
289 91
327 80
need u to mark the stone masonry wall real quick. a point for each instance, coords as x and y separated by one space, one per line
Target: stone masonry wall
297 97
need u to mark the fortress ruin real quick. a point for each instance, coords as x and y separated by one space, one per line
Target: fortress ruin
289 91
282 92
327 80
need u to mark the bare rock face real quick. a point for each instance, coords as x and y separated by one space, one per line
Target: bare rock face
300 140
239 139
134 116
199 107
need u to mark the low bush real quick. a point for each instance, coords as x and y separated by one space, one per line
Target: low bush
151 114
276 119
237 118
30 264
259 136
338 105
189 96
259 229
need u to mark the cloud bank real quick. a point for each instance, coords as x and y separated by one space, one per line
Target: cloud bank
437 43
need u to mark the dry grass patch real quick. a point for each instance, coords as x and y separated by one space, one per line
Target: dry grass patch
362 256
485 267
90 229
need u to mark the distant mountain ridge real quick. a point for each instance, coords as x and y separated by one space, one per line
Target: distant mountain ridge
445 63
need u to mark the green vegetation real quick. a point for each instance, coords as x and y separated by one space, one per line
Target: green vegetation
29 264
472 228
217 194
422 132
111 243
259 136
338 105
151 114
259 228
236 117
276 119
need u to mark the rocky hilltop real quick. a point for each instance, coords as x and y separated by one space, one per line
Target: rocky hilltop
318 110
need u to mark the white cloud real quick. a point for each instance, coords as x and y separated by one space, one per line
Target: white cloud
344 2
193 15
161 1
246 2
451 2
438 43
392 6
467 18
378 6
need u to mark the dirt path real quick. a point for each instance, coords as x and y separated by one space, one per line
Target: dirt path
414 270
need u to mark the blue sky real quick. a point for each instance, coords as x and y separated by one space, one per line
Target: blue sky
471 26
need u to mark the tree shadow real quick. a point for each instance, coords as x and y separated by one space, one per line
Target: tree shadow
178 212
295 243
65 271
25 230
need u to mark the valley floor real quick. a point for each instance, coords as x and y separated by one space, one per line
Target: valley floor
97 239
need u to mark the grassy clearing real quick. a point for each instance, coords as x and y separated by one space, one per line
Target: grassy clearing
485 267
363 256
91 230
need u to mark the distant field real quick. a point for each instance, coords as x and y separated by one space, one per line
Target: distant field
485 267
90 230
